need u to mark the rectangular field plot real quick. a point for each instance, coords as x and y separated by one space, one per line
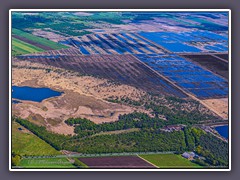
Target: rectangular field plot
26 143
56 163
170 161
114 43
193 41
116 162
124 69
210 62
19 48
190 77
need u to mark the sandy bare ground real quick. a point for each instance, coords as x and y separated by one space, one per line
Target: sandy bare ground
65 80
219 105
83 97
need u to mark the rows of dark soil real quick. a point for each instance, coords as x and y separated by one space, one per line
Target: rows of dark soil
211 63
223 56
124 69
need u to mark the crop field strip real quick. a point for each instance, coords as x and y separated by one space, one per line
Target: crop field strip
69 51
119 68
26 143
211 63
19 47
36 41
115 43
192 78
32 42
116 162
169 161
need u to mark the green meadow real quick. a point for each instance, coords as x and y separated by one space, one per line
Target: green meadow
46 163
26 143
169 161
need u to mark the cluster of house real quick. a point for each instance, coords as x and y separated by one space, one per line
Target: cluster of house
171 128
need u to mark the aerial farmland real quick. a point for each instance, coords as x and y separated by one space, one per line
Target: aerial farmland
120 90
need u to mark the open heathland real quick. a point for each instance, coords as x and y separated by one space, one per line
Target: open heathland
124 69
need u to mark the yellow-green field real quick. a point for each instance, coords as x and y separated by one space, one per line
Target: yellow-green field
169 161
46 163
26 143
19 48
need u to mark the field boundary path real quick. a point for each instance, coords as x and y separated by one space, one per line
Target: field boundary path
147 161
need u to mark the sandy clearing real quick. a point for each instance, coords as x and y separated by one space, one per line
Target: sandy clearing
83 97
69 105
219 105
66 80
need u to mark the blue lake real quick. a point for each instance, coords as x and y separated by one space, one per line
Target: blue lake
33 94
223 131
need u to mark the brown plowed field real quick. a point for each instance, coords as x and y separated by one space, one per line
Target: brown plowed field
223 56
116 162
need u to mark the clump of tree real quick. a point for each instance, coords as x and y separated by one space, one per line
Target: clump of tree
16 158
148 138
125 100
213 149
85 127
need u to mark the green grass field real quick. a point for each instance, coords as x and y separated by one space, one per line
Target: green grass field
46 163
19 48
169 161
26 143
40 40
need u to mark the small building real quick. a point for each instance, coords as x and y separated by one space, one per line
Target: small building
171 128
189 155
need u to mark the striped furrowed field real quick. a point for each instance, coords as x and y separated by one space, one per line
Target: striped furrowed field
19 48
